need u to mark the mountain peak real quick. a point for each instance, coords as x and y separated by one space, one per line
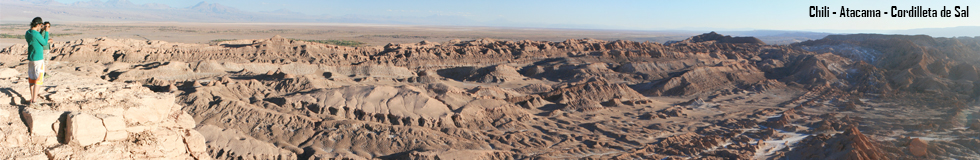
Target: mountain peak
119 4
155 6
204 6
44 2
199 4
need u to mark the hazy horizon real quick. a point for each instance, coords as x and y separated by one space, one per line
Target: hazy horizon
619 15
722 16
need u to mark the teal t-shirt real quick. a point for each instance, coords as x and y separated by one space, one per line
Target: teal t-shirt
35 45
47 36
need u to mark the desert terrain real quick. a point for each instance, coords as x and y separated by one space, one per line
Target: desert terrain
366 34
421 92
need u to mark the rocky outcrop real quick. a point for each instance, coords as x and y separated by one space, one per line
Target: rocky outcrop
675 111
852 144
917 63
685 144
718 38
397 106
461 154
588 95
709 79
490 74
83 117
177 71
232 144
918 147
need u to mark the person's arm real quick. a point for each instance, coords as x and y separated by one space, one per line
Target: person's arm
40 40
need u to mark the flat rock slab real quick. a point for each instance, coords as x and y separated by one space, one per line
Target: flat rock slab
84 129
41 122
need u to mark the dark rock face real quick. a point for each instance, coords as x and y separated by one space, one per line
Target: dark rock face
718 38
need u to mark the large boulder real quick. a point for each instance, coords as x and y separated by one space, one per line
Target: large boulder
918 147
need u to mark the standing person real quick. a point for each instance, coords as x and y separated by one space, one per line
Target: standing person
35 56
47 35
45 31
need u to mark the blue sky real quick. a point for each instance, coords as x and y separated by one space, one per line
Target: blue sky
616 14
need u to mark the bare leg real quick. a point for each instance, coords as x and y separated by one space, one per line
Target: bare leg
33 92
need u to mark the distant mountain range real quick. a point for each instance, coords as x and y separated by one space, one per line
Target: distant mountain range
968 31
21 11
115 10
780 37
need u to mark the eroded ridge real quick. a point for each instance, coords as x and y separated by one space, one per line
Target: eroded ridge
707 97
